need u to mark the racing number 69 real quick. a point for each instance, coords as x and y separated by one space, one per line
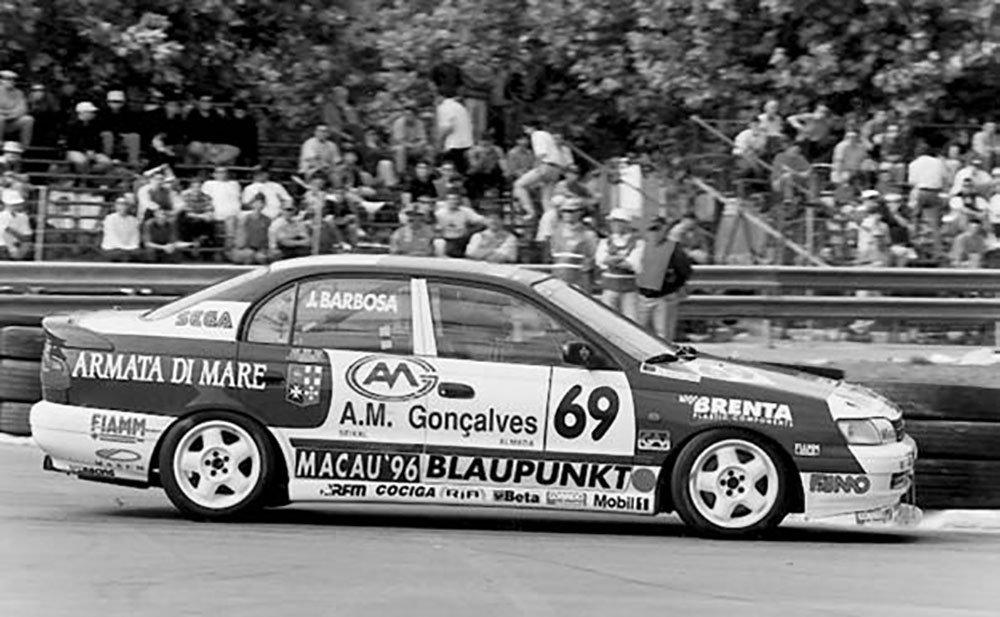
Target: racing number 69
571 419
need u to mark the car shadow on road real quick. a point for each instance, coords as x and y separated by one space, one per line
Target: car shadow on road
446 519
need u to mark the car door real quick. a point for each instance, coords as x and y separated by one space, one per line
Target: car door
339 351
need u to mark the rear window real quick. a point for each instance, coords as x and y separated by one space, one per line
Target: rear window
209 293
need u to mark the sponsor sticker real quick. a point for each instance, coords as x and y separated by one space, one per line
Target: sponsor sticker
204 319
406 491
880 515
337 489
465 494
303 383
622 503
516 497
566 499
117 428
92 472
363 466
118 455
715 408
391 379
175 371
807 449
658 370
351 301
453 469
832 483
657 441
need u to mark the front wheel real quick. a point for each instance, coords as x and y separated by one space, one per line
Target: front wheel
216 465
729 483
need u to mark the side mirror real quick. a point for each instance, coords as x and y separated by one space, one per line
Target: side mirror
578 353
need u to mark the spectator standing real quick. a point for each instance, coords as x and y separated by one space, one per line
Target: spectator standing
573 246
14 116
748 148
319 155
494 244
251 244
986 143
415 237
520 159
289 235
953 162
120 130
874 128
618 259
900 226
927 176
455 222
772 124
276 197
815 130
244 134
49 123
446 74
994 204
454 130
15 229
409 140
486 168
159 237
545 173
849 157
663 272
121 235
477 80
790 173
341 116
969 247
83 141
873 232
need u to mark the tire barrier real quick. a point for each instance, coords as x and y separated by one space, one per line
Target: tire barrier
957 427
20 382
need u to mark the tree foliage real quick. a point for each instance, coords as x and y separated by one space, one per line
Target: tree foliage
625 69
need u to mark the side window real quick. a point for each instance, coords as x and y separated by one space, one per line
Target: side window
491 326
272 323
357 314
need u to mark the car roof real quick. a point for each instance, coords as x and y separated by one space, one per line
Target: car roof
400 264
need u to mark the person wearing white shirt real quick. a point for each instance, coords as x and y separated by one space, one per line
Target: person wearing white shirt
318 153
276 196
225 193
619 258
927 176
15 230
159 193
120 238
454 127
981 181
546 172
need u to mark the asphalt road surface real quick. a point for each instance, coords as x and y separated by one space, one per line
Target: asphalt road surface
69 547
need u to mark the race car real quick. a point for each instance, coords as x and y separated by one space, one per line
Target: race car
386 379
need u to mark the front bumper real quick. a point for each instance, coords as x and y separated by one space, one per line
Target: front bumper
872 497
105 445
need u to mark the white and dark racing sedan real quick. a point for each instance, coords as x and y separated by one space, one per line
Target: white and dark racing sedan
435 381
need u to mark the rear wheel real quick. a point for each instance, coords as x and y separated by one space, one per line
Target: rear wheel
216 465
728 482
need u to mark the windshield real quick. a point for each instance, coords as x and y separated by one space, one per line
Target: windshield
616 328
205 294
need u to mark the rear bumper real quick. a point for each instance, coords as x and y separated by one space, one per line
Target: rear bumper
874 496
104 445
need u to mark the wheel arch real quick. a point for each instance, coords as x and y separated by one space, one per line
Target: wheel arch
277 493
795 494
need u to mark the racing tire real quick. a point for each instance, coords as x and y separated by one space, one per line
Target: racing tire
216 466
22 342
14 418
730 483
20 380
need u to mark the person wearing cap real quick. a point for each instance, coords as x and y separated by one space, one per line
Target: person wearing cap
619 259
408 139
15 229
120 129
573 246
14 117
120 233
456 222
289 235
663 272
251 241
84 145
494 244
10 159
414 237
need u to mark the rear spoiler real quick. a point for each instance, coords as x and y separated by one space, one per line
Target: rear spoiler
64 330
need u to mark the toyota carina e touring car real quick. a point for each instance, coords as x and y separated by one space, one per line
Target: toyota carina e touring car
439 381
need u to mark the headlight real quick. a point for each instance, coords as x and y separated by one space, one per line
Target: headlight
867 432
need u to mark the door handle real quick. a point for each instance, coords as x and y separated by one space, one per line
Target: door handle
455 390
